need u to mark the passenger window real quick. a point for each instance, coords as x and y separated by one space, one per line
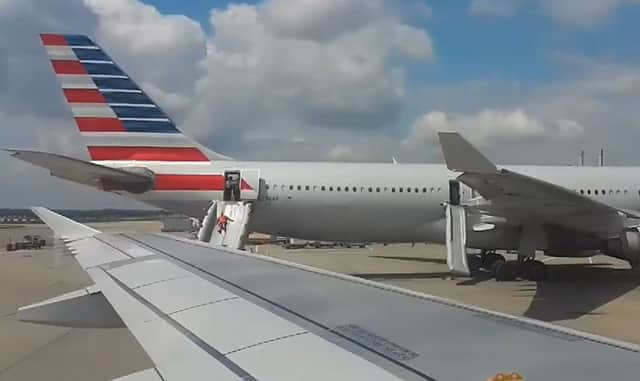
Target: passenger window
299 187
408 189
581 191
432 189
386 189
595 192
338 189
322 188
346 189
330 189
439 189
306 187
588 191
362 189
370 189
416 190
355 189
625 191
283 187
400 189
618 191
266 186
424 190
378 189
393 190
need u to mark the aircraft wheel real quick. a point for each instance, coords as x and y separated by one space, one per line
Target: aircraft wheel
487 260
536 271
504 271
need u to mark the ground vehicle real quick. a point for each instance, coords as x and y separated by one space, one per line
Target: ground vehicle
294 243
29 242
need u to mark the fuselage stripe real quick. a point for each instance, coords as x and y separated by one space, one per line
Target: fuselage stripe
146 153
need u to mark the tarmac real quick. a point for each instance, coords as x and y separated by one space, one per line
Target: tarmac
600 296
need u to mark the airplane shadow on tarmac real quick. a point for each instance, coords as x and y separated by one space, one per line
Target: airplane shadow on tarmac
578 289
571 290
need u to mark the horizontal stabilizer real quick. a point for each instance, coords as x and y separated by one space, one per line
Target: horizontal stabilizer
84 308
461 156
91 174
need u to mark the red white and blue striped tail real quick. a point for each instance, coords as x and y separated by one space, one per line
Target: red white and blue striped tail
119 121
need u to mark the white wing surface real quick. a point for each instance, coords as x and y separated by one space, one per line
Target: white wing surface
202 312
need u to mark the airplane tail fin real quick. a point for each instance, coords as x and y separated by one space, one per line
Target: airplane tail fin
115 116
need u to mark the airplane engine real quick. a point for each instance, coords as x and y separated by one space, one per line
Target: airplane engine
128 185
626 247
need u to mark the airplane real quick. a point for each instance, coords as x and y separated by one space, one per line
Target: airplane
136 150
205 312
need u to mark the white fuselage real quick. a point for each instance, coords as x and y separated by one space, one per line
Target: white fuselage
370 202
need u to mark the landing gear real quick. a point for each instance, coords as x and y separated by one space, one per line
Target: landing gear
503 270
488 259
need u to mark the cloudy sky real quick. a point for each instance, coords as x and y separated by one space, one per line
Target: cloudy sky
528 81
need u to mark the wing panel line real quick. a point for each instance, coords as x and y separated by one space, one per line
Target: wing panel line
294 313
232 366
553 329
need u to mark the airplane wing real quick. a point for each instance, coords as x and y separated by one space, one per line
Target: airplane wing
204 312
83 172
520 198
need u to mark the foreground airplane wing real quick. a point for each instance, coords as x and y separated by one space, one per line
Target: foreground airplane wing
202 312
519 197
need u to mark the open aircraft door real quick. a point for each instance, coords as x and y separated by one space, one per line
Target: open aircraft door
250 184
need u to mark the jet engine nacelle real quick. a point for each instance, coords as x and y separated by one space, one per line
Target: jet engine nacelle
144 181
626 247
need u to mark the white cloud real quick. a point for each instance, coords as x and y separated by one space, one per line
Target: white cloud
160 51
318 20
490 126
570 12
306 64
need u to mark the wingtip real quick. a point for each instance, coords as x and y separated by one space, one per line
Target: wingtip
62 226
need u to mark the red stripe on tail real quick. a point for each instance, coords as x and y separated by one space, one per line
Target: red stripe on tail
100 125
84 96
147 153
53 40
68 67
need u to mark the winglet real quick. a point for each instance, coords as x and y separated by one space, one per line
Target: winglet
62 226
461 156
